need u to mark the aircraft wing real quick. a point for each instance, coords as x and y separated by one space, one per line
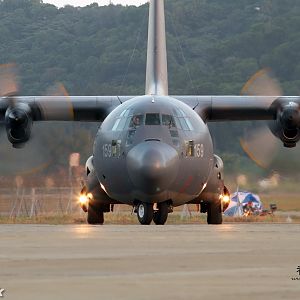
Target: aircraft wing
237 108
97 108
65 108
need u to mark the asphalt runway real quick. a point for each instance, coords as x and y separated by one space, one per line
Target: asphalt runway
232 261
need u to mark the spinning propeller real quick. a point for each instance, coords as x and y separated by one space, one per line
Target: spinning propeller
18 125
263 144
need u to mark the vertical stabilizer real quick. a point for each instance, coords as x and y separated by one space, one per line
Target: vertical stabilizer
157 69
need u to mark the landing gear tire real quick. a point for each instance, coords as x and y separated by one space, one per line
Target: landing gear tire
214 213
145 213
95 214
160 217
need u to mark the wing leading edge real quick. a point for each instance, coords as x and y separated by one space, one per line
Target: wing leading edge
97 108
66 108
237 108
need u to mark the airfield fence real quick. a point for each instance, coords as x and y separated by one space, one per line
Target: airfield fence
32 202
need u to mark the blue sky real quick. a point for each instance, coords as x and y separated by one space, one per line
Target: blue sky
61 3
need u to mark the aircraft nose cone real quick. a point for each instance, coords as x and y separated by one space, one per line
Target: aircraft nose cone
152 166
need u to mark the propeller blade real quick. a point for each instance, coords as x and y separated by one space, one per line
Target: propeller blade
263 83
57 104
8 80
33 158
261 146
57 90
9 86
287 161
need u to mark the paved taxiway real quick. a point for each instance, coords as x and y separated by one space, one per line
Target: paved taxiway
232 261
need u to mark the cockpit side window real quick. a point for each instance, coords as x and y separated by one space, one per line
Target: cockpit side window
179 112
182 121
152 119
189 124
117 122
125 113
120 122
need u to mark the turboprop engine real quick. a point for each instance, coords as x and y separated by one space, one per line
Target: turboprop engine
287 125
18 124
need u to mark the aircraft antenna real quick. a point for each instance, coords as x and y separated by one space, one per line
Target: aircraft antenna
133 53
183 56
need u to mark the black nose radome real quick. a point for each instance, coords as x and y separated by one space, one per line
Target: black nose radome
152 166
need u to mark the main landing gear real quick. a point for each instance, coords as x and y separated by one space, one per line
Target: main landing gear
95 212
146 213
214 213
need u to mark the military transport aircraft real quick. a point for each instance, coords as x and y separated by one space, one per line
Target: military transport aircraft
153 152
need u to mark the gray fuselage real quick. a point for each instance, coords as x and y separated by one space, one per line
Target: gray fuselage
153 149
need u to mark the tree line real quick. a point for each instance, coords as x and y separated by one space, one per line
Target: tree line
213 48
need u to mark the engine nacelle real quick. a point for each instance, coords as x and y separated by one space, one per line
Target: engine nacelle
287 125
18 123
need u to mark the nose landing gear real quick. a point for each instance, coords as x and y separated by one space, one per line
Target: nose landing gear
161 215
146 213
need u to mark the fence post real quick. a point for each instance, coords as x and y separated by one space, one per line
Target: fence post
33 202
14 205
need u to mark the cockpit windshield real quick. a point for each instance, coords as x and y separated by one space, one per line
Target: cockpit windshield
130 121
136 121
152 119
168 120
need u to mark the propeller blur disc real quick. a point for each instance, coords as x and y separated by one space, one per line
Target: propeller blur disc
57 104
260 144
262 83
34 157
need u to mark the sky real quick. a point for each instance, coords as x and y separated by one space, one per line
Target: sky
61 3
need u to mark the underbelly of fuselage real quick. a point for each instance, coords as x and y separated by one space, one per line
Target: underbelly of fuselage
155 172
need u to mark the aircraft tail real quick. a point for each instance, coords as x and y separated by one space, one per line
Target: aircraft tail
157 69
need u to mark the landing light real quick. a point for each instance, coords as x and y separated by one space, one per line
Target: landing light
83 200
226 199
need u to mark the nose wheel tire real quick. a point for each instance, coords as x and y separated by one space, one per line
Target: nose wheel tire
145 213
214 213
160 217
